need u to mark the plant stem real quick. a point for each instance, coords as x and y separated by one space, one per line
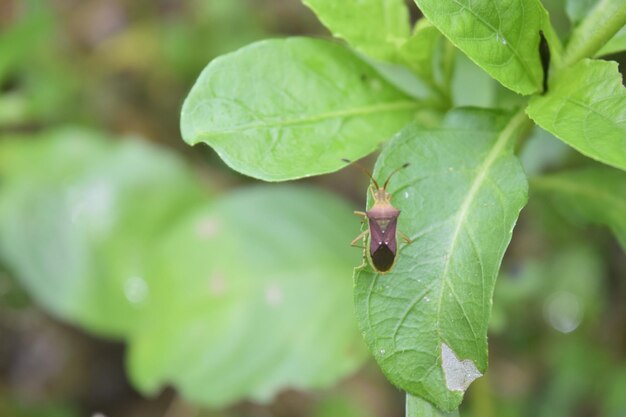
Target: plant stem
525 133
449 53
481 401
518 129
417 407
604 21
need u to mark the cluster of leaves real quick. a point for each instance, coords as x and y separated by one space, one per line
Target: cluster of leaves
120 238
289 108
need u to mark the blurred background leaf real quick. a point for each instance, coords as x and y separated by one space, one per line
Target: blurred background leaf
250 298
77 213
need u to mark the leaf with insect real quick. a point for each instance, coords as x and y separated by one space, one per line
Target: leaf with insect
426 321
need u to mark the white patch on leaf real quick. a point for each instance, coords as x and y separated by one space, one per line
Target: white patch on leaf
274 295
207 228
458 374
136 290
217 284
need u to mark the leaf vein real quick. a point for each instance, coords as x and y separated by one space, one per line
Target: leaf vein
344 113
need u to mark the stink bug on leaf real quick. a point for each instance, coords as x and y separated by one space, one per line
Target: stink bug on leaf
382 220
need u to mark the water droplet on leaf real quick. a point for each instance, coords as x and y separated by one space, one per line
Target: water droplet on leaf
136 290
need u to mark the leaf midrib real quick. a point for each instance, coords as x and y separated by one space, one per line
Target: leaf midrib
355 111
504 138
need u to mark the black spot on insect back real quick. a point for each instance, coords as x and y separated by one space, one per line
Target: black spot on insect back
383 258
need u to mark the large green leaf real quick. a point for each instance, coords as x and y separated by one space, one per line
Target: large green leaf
426 321
77 213
596 195
283 109
501 37
375 27
251 298
586 108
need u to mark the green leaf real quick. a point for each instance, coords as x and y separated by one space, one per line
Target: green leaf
419 50
615 45
586 108
426 321
542 152
596 195
417 407
471 86
374 27
20 40
77 214
284 109
501 37
251 298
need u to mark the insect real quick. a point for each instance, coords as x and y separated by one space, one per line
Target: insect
382 220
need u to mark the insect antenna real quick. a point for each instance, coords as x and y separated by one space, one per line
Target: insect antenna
391 175
365 171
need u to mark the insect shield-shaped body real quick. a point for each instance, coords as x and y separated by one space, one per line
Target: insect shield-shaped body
382 219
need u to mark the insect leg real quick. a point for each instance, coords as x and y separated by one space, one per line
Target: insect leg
405 238
360 213
359 237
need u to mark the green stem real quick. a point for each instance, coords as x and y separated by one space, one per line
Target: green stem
525 132
518 129
449 53
442 97
417 407
481 401
605 20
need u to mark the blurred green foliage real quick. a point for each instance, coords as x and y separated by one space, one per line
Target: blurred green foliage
100 204
233 295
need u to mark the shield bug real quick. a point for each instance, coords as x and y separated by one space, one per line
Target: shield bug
382 220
